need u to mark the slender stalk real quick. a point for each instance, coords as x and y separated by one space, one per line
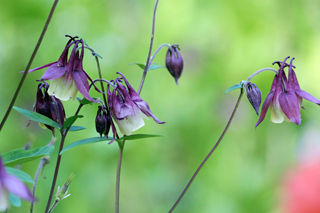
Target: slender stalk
56 171
121 146
150 47
53 206
210 153
101 83
63 136
260 71
43 162
29 64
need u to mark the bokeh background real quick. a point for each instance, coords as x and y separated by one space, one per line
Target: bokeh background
222 42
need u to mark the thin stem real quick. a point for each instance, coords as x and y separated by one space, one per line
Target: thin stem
210 153
43 162
260 71
29 64
56 171
63 136
53 205
101 83
150 47
121 146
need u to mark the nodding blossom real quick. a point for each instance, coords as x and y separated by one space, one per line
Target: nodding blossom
174 62
285 97
67 76
127 108
11 184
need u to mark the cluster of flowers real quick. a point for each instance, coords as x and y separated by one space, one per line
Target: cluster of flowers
284 99
67 77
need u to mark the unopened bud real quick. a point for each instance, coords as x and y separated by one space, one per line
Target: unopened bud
63 191
174 62
254 96
101 119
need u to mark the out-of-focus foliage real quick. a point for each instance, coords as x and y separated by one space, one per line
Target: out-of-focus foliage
222 43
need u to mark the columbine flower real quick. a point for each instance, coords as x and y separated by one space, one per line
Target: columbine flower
127 107
285 97
67 78
174 62
10 183
254 96
47 106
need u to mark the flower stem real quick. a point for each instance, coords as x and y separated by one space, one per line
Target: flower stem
121 147
150 47
29 64
53 205
210 153
260 71
63 137
43 162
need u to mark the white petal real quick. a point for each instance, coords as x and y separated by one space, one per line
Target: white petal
63 88
130 123
4 199
277 115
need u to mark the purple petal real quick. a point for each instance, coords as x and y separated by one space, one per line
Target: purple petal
133 94
82 84
39 68
114 132
307 96
120 109
3 171
265 107
290 106
144 107
17 187
53 72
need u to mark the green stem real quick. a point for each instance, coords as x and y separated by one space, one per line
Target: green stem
260 71
210 153
150 47
121 147
29 64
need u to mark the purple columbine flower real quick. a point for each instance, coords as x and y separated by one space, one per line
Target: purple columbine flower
10 183
285 97
47 105
67 77
127 107
174 62
254 96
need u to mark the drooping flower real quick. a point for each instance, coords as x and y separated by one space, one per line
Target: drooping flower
285 97
174 62
103 122
127 107
47 105
11 184
254 96
67 76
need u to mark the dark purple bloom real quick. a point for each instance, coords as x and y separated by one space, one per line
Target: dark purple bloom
10 183
174 62
48 106
285 97
254 96
127 107
67 76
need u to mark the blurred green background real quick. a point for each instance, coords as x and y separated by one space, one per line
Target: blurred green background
222 42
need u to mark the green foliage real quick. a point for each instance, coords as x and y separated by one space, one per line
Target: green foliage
99 139
14 200
236 86
18 156
68 123
76 128
20 174
34 116
152 66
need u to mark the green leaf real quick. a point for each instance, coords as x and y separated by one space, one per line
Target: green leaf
139 136
85 101
76 128
85 141
98 139
34 116
18 156
152 66
20 174
142 66
14 200
236 86
68 123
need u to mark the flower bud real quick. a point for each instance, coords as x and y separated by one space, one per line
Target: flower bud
101 120
174 62
254 96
